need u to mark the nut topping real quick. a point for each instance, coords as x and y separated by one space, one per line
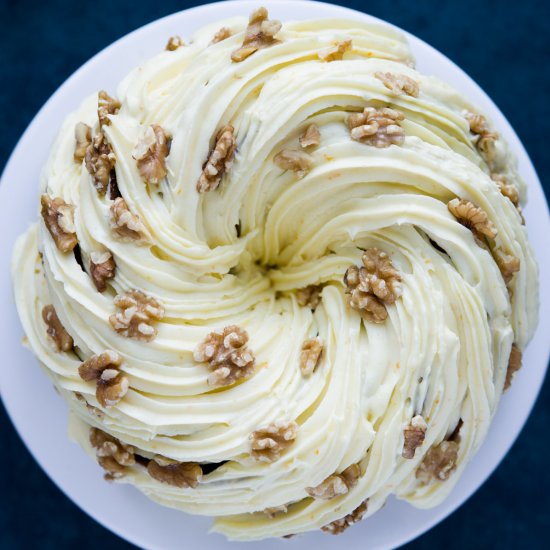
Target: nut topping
125 225
377 127
486 139
92 368
259 34
335 52
311 137
56 331
398 83
102 268
507 263
220 35
59 220
219 160
270 441
274 510
439 462
106 105
178 474
414 434
309 296
150 152
174 42
340 525
100 160
508 189
294 159
310 355
336 484
138 311
227 355
514 364
472 217
112 455
83 139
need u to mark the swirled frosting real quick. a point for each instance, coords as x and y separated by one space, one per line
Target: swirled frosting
393 406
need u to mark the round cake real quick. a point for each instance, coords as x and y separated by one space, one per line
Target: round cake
280 276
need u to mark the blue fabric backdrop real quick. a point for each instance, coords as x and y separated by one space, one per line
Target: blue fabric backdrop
504 46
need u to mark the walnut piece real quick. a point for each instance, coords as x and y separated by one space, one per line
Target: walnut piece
439 462
508 189
398 83
414 434
514 364
259 34
59 220
138 311
486 139
377 127
472 217
56 331
274 510
100 160
311 136
336 484
102 268
507 263
373 285
112 455
220 35
309 296
340 525
178 474
125 225
296 160
335 52
227 355
106 105
269 442
220 160
310 355
83 139
174 42
150 152
92 368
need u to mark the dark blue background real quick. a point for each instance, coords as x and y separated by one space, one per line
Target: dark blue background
504 46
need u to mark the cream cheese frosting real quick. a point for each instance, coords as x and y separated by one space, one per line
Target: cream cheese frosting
239 254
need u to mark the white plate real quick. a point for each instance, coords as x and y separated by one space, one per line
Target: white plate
40 416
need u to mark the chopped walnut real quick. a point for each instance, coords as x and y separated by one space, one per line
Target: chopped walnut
514 364
112 455
373 285
59 220
270 441
310 355
220 35
274 510
62 339
486 139
220 160
439 462
309 296
178 474
150 152
227 355
414 434
336 484
83 139
100 160
106 105
478 123
138 312
398 83
174 42
259 34
92 368
508 189
296 160
311 136
102 268
340 525
507 263
377 127
127 226
335 52
472 217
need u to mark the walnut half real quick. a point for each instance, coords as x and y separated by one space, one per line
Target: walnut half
177 474
472 217
112 455
309 296
414 434
102 269
508 264
219 160
58 217
336 484
227 355
269 442
340 525
377 127
150 153
62 339
100 160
